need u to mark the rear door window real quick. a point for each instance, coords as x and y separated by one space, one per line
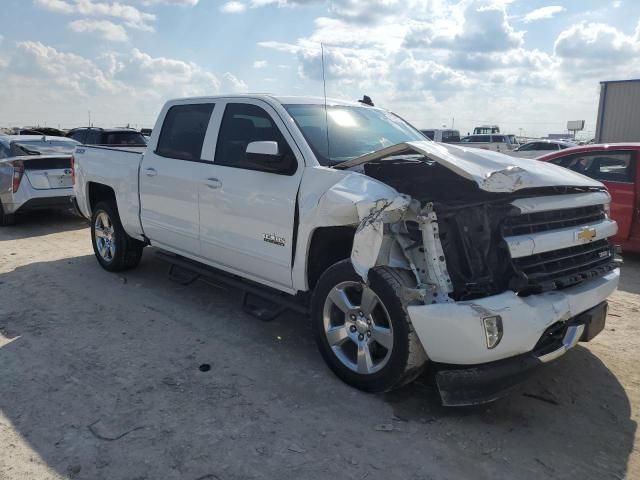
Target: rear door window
604 166
498 139
183 131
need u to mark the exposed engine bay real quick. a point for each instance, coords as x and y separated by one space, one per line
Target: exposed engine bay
451 233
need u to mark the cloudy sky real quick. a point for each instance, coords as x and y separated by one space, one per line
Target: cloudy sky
523 64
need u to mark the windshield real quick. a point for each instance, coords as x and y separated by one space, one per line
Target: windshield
42 147
352 131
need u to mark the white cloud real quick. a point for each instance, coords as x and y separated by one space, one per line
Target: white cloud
124 87
412 75
543 13
106 29
471 26
131 16
180 3
596 49
434 59
361 11
67 71
256 64
234 84
233 7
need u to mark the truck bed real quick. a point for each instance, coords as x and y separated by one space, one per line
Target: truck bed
117 168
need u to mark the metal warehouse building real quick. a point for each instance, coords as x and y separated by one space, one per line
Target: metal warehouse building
619 112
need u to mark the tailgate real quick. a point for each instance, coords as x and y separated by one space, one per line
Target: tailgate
50 172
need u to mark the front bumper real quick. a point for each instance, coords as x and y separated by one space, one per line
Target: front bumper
536 330
453 333
476 384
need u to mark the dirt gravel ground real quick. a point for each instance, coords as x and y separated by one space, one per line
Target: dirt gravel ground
100 379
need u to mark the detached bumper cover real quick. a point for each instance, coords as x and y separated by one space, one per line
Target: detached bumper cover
476 384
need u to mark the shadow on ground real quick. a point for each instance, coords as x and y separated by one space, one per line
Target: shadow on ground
43 222
630 273
101 378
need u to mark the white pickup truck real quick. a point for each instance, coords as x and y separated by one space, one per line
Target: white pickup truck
412 253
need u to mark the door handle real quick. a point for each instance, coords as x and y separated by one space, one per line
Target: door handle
150 172
213 183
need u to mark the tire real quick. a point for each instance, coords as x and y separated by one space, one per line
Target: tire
114 249
394 355
6 219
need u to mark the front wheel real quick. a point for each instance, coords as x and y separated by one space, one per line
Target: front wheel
114 249
363 330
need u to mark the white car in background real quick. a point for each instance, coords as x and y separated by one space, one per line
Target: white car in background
537 148
498 142
35 173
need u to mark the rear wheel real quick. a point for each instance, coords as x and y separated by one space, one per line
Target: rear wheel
114 249
6 218
363 330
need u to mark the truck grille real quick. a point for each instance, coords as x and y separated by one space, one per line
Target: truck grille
565 267
552 220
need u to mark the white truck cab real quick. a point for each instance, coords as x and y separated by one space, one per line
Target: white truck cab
411 252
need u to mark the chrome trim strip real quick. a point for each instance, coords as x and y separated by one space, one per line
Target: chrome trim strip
541 242
560 202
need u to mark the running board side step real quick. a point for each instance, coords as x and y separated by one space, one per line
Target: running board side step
259 301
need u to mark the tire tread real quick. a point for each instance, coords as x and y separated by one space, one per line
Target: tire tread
386 281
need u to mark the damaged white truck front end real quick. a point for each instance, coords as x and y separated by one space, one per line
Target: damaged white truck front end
511 258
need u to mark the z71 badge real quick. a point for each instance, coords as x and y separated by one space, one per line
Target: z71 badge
273 238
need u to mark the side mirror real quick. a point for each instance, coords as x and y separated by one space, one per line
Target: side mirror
267 152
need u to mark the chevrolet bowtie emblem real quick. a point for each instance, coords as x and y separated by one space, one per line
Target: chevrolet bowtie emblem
586 234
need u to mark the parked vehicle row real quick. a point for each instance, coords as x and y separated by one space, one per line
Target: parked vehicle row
490 141
483 266
108 136
496 142
540 147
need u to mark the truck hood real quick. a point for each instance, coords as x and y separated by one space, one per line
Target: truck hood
492 171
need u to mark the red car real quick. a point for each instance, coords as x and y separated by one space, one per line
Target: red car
617 166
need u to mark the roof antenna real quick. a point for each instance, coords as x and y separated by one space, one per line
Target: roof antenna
326 115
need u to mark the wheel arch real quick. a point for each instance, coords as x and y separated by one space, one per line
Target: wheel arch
327 245
99 192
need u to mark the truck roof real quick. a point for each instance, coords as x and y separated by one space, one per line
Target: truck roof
284 100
